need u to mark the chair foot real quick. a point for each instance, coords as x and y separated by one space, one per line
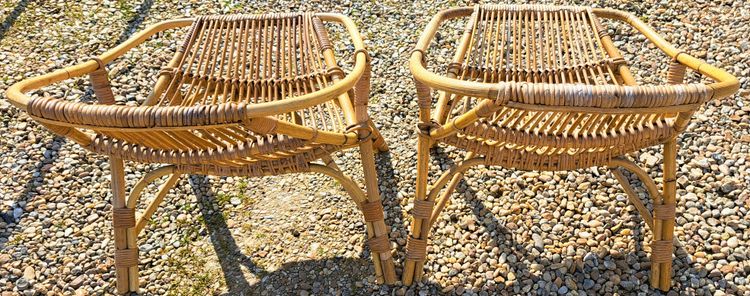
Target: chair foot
378 241
380 248
416 252
372 209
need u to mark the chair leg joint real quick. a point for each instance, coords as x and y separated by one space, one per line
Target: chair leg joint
416 249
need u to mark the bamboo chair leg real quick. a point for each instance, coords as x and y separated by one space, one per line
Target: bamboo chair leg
664 218
427 211
378 240
123 218
416 247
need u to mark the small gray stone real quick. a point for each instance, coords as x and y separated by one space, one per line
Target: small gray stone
588 284
17 212
628 285
538 242
22 284
78 281
733 242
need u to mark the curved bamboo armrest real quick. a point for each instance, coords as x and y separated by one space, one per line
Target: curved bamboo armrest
16 93
726 84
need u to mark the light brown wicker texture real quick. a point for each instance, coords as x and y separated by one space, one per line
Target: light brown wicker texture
245 95
536 87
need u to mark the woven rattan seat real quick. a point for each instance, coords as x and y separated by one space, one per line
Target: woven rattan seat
245 95
537 87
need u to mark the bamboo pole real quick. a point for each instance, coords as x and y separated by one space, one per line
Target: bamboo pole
122 236
670 193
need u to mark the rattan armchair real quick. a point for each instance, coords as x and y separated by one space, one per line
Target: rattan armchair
537 87
245 95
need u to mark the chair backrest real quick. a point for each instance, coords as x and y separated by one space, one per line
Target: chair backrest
248 58
535 43
579 98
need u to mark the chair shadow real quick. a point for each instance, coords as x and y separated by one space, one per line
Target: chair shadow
136 20
523 251
12 17
340 275
329 276
30 190
230 256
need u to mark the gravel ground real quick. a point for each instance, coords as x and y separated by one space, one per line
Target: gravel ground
506 232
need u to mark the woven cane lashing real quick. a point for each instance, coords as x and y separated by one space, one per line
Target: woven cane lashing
102 89
256 168
664 211
123 217
113 116
126 258
416 249
661 251
379 244
676 73
422 209
176 152
373 211
423 95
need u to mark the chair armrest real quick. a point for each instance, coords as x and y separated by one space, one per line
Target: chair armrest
16 92
355 108
338 88
726 84
433 80
351 28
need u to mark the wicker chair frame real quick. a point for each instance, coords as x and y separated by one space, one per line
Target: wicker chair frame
537 87
246 95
